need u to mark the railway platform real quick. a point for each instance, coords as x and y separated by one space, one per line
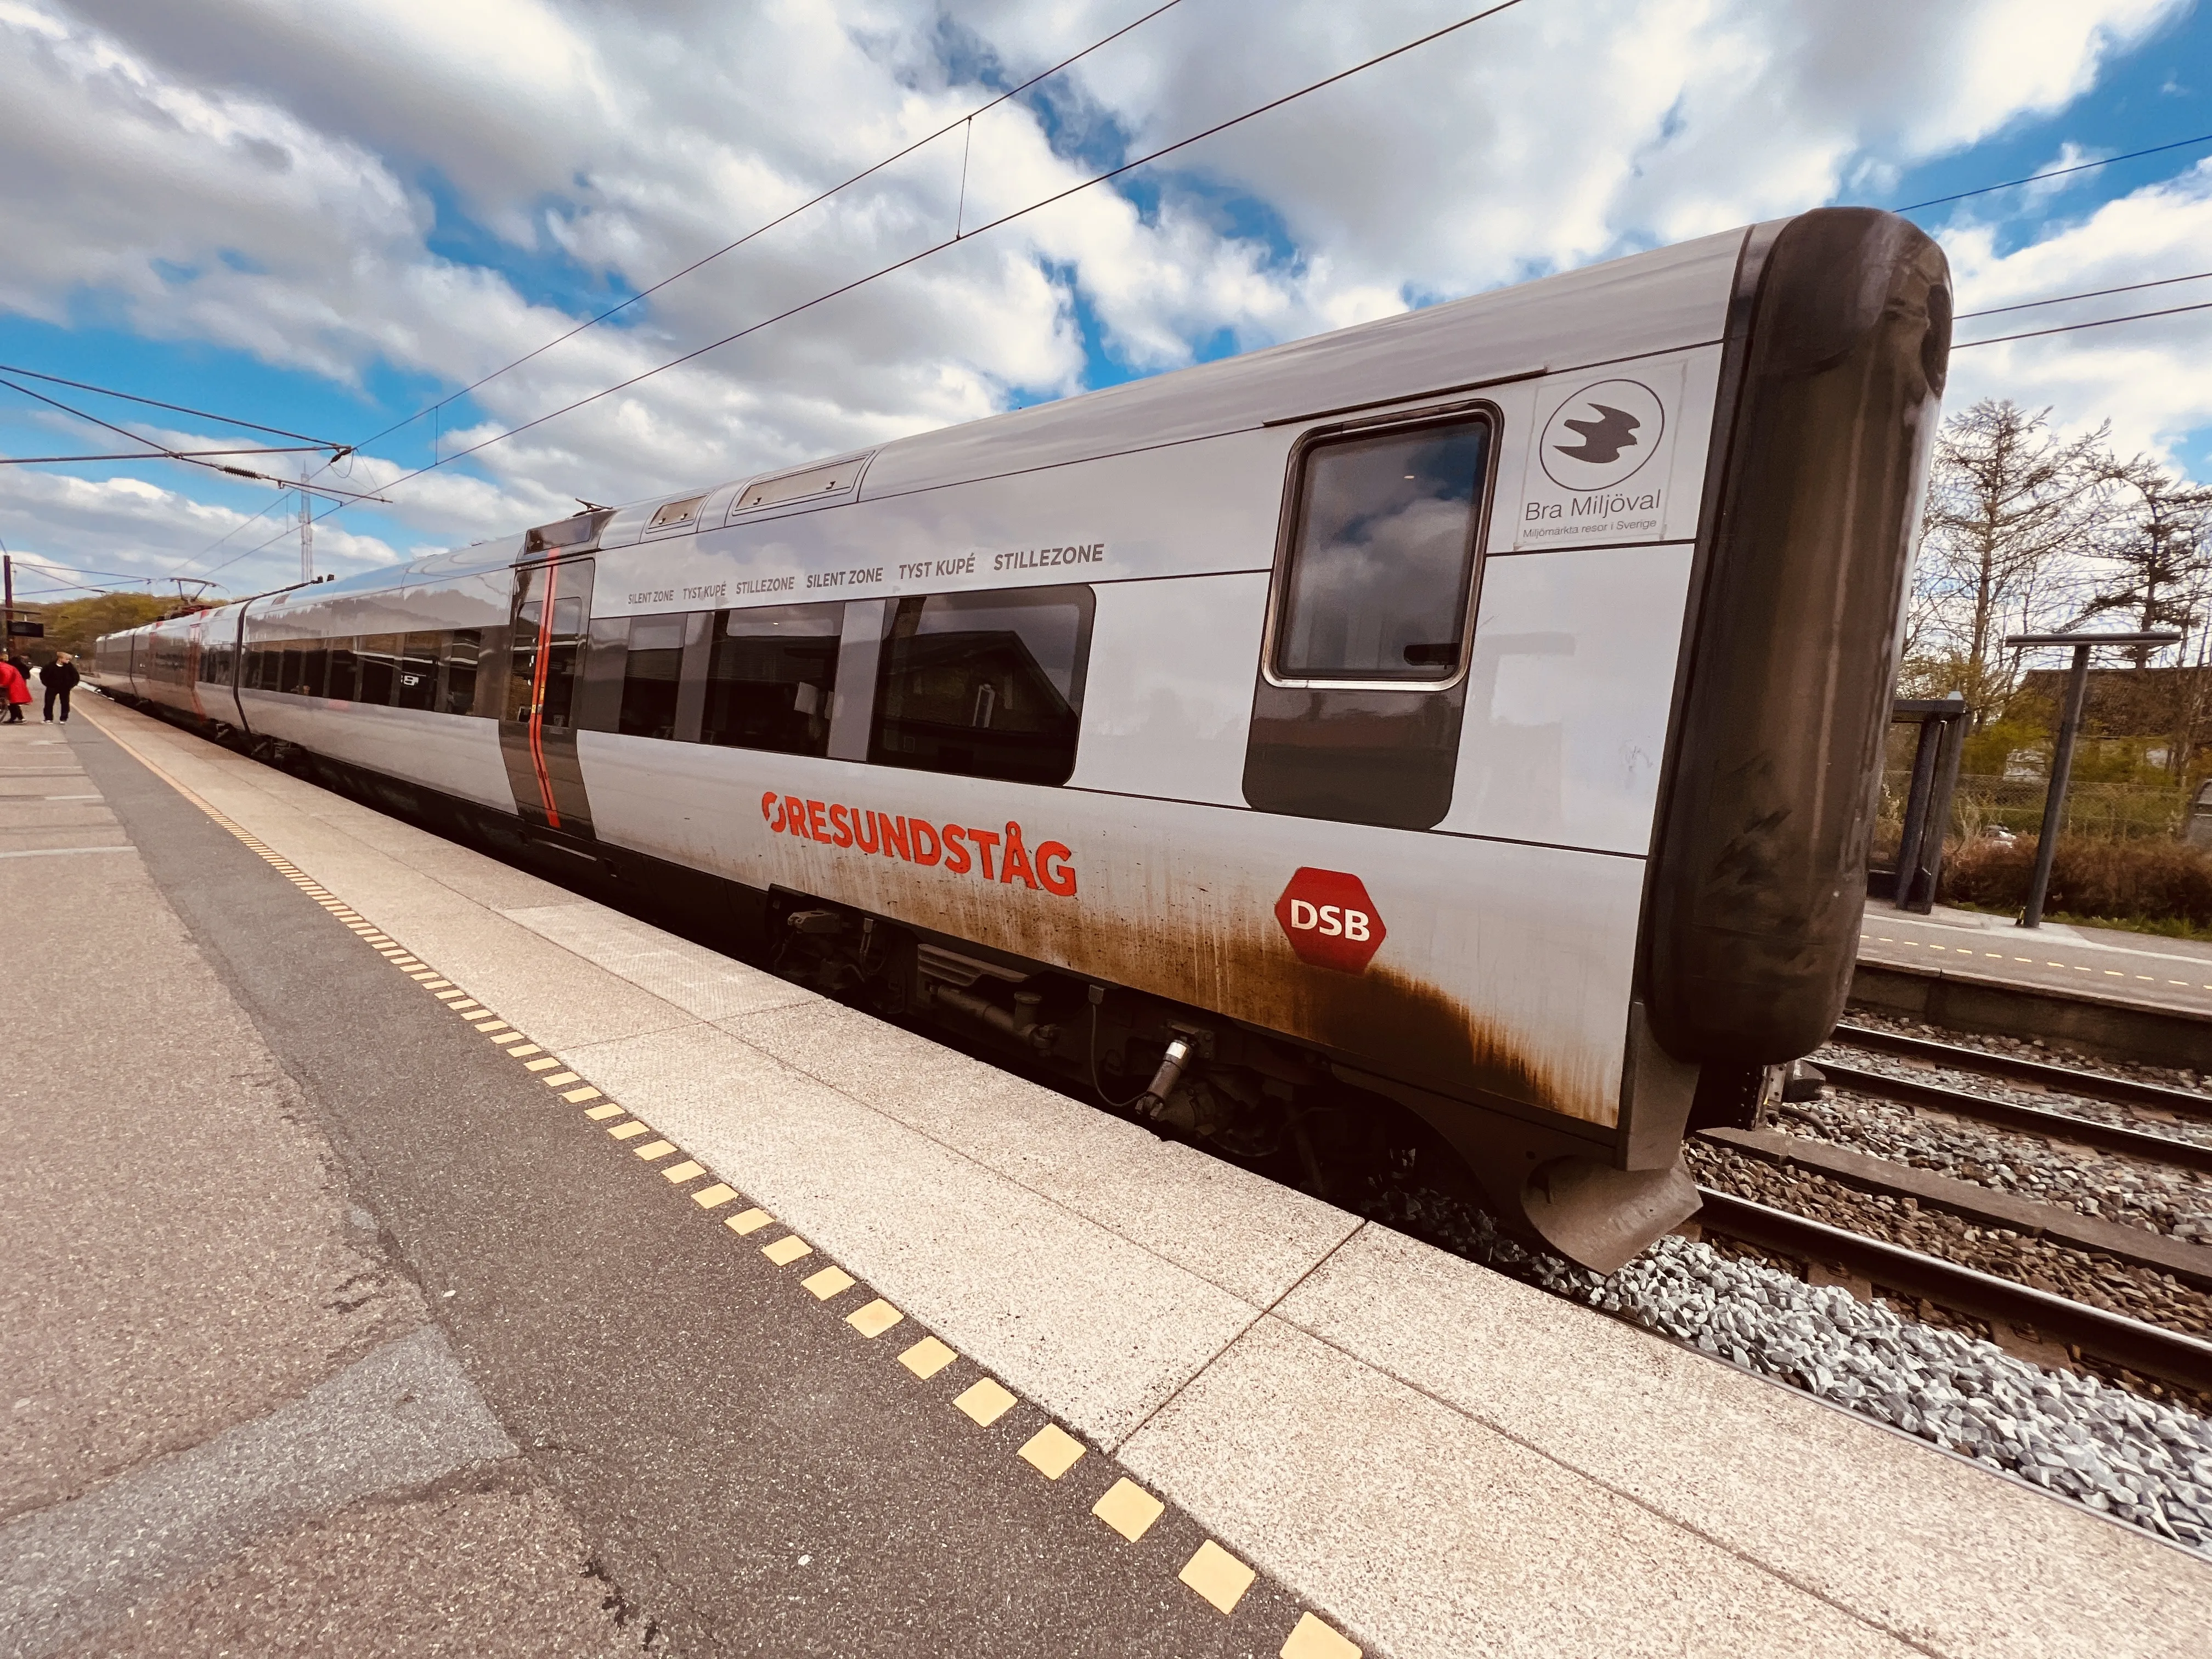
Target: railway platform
2174 975
2115 994
807 1336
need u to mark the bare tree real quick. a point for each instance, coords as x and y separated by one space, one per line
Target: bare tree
2011 506
2156 535
2156 548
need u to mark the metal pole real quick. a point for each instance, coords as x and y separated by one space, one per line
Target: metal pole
2054 801
307 529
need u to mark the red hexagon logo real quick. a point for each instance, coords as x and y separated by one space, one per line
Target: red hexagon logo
1329 920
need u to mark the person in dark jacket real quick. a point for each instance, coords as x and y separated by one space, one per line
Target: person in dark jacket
59 677
15 689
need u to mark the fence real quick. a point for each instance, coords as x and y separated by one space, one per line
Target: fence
1986 805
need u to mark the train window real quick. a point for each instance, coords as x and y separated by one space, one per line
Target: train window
345 671
1377 574
463 649
769 677
314 669
674 513
651 672
379 663
985 685
802 486
418 671
545 688
288 669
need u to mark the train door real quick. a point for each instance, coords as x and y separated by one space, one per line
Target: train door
545 663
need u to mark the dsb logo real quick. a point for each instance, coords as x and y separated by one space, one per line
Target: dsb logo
1329 920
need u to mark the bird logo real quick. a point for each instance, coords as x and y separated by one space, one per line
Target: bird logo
1601 435
1603 439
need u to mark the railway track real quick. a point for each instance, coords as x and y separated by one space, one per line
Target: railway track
2138 1345
1879 1199
2062 1079
2056 1124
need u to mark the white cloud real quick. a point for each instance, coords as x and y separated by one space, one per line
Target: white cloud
435 189
2147 377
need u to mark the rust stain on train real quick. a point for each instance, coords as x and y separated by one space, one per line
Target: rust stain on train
1222 952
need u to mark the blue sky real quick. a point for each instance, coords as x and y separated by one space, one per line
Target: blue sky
247 218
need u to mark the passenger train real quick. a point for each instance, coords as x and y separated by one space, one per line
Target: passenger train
1478 710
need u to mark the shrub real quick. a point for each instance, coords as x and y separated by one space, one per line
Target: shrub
2138 880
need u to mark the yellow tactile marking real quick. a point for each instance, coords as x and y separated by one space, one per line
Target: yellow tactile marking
874 1319
831 1281
1052 1451
542 1063
1312 1639
985 1401
1217 1575
578 1097
559 1080
446 996
1211 1571
928 1358
1994 956
1128 1509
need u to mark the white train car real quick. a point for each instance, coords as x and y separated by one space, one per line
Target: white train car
1479 709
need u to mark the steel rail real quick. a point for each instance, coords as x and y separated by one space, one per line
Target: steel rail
2036 1119
2093 1086
2171 1355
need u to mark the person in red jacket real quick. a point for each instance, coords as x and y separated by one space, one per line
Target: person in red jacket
17 689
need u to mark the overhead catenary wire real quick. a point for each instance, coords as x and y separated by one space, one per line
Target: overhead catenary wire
177 408
155 451
2090 294
937 247
2055 173
167 455
1100 177
915 257
785 217
2069 328
705 259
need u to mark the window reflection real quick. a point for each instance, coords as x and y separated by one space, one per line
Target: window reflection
769 678
1378 581
985 685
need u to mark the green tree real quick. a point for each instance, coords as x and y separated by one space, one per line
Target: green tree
73 625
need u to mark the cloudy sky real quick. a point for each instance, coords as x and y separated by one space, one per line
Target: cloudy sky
329 217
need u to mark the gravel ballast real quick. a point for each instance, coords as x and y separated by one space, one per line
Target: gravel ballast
2156 1197
2141 1460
